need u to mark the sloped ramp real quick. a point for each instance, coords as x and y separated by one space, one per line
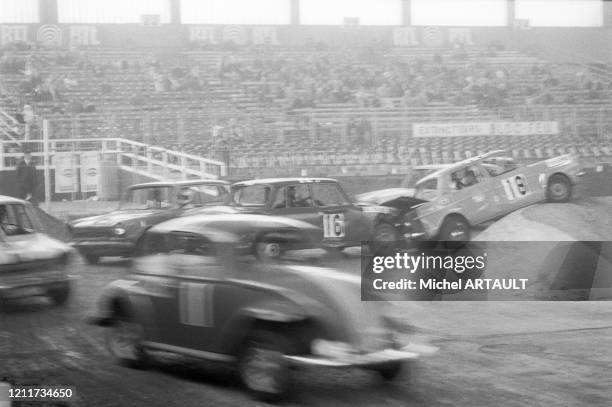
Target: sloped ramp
571 254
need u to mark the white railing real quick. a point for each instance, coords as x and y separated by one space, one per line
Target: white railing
8 125
155 162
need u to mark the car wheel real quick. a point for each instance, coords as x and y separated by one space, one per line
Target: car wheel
124 341
559 188
268 250
455 229
60 295
92 258
262 367
384 239
391 371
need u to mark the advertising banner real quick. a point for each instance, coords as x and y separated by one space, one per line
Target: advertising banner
65 173
484 129
90 171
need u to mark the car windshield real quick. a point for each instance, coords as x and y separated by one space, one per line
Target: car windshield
202 195
14 220
149 198
251 195
499 165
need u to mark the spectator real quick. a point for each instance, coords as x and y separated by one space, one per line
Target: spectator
26 177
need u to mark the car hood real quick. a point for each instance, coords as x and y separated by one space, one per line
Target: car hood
398 198
379 197
112 218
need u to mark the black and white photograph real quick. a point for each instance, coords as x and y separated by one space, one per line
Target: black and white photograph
305 203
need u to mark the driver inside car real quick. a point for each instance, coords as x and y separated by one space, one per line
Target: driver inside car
185 198
7 227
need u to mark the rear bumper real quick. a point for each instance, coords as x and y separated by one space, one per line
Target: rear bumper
104 248
409 352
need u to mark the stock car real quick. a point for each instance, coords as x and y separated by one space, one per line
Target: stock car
319 201
142 206
191 293
446 203
31 263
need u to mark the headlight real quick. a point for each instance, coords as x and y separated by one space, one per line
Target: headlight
119 230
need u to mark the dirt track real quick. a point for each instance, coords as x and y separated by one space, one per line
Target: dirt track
496 353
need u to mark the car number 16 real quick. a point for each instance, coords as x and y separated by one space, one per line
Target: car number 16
333 225
515 187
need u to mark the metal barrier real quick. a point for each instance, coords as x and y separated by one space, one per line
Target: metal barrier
132 156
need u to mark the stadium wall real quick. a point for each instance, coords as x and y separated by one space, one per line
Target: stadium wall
557 44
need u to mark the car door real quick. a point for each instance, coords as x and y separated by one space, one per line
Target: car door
198 269
517 188
295 201
178 276
340 220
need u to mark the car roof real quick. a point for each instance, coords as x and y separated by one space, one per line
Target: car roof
283 181
453 167
10 200
180 183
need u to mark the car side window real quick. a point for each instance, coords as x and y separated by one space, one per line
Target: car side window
14 220
193 255
293 196
252 195
499 165
328 194
465 177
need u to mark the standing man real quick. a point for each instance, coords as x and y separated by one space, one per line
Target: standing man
26 177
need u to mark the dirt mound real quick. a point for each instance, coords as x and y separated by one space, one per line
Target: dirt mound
569 257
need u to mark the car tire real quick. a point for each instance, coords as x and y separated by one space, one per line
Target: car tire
391 371
92 259
124 341
268 250
559 189
384 238
60 295
262 367
454 231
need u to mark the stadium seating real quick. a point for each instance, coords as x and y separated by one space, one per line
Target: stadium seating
248 105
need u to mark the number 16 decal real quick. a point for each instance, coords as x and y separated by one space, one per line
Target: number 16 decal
515 187
333 225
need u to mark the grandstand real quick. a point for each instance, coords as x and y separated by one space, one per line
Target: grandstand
303 105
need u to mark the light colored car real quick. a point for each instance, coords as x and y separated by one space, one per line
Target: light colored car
191 293
483 188
31 263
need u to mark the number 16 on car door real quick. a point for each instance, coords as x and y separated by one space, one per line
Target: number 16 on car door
333 225
515 187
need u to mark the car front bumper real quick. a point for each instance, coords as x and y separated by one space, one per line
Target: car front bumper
408 352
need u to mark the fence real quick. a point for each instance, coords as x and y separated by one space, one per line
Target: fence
128 155
195 129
